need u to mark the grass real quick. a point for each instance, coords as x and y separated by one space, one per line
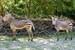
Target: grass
39 42
44 36
61 35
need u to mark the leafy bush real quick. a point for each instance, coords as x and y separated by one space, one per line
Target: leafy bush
36 8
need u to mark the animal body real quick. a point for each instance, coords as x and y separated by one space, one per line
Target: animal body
62 25
16 24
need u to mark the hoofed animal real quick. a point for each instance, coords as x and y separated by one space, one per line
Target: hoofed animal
16 24
62 25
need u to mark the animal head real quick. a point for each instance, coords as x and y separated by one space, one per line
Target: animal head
7 17
54 19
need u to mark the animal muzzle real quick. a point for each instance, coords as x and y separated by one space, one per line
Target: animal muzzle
70 24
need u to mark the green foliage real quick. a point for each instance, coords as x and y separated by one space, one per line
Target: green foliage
36 8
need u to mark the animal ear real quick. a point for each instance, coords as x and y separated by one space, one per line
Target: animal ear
56 18
52 17
13 18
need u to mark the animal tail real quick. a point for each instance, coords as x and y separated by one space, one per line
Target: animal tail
31 23
33 28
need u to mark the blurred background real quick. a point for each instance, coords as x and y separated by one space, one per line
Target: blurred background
38 8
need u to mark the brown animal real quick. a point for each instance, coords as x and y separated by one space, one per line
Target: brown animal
16 24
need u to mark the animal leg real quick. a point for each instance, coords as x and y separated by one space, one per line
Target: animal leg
14 34
30 35
71 34
57 36
57 33
67 31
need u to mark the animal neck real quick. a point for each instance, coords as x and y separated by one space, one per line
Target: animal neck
55 22
10 20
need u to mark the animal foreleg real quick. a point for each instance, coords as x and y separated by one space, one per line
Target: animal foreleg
57 33
67 31
14 34
57 36
71 34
